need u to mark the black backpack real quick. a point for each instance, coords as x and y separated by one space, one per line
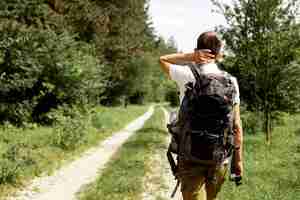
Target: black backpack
202 132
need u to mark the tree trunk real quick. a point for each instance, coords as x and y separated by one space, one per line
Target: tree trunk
268 130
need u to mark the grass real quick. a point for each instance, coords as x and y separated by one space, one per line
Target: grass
113 119
26 153
124 174
271 172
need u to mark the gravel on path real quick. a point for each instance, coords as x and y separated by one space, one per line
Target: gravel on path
66 182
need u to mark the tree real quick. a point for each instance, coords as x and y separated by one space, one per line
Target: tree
40 70
58 52
42 65
263 40
128 38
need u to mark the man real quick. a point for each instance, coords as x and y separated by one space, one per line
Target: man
195 184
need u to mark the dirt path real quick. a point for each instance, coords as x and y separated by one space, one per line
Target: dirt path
64 183
159 181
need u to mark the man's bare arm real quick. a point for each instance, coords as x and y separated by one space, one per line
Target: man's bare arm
238 138
183 59
176 58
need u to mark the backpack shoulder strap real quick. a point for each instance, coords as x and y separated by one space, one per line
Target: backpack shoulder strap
195 72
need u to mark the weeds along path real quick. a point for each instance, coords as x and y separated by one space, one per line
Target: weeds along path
159 181
64 183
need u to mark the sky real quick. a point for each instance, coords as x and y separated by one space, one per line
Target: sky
184 20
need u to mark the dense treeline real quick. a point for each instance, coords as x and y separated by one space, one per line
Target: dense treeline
64 52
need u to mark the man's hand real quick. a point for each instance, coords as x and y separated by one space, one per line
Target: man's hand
236 167
203 56
238 141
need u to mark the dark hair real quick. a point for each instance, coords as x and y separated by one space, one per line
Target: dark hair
209 40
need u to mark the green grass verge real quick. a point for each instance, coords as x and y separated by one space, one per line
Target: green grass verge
271 172
26 153
124 174
112 119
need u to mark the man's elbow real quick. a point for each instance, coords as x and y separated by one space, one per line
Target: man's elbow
165 66
162 60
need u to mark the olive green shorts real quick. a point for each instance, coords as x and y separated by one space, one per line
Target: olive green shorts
200 182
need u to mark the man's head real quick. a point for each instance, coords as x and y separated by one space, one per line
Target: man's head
209 40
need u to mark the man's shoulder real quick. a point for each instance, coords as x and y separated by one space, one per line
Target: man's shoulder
180 72
180 67
229 75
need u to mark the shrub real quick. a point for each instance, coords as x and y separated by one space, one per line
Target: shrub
280 118
171 94
9 171
102 120
252 123
40 70
71 129
13 160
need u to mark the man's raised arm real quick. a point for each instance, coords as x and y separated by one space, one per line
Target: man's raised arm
199 56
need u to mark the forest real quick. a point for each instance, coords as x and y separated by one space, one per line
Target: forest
72 68
63 53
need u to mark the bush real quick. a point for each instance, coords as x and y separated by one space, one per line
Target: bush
71 129
102 120
16 157
280 118
252 123
9 171
40 70
171 94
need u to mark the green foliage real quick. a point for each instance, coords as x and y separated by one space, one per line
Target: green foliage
71 129
15 155
29 12
172 94
159 85
102 120
41 70
263 54
125 40
252 123
9 171
154 82
66 52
